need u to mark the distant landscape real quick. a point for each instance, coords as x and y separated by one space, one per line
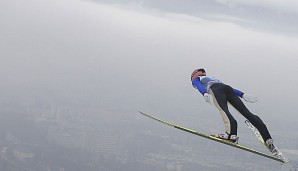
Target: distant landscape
45 136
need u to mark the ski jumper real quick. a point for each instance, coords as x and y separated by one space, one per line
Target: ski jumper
222 94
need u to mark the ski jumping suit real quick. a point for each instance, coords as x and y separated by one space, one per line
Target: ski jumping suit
222 94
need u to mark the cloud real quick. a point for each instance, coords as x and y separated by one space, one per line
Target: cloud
128 51
275 16
282 6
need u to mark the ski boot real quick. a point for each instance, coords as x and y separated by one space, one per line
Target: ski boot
227 137
275 151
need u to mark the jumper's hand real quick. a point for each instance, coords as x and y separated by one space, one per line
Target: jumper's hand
250 98
207 98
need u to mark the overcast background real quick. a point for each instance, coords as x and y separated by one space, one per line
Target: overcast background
115 57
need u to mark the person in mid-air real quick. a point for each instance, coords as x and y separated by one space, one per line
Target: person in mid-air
222 94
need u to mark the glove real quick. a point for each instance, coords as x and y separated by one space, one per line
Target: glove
250 98
207 98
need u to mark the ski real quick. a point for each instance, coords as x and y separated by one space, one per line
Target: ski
213 138
259 137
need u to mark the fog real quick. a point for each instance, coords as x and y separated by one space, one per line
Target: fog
74 73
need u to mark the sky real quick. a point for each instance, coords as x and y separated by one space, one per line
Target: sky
268 15
131 48
138 55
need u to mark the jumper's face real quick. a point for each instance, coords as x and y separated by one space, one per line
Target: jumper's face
197 74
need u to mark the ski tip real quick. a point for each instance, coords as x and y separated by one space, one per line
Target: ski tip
140 112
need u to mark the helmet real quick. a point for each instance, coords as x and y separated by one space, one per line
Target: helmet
194 73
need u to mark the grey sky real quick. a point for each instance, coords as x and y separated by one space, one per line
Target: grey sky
133 47
79 48
269 15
